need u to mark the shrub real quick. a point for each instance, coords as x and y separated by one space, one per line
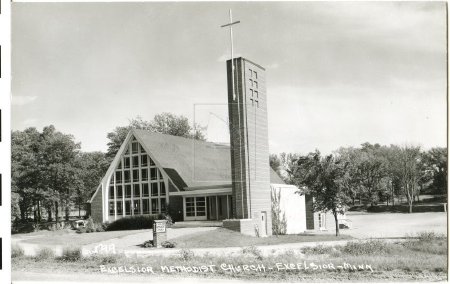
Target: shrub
105 259
44 253
252 250
16 251
186 254
430 236
71 254
148 244
366 248
134 222
168 244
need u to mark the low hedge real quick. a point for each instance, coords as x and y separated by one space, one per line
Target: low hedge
134 222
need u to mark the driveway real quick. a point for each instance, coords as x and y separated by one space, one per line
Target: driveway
395 225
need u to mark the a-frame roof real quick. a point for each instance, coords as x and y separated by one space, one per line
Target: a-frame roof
191 163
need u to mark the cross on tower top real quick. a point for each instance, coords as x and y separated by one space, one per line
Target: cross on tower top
230 24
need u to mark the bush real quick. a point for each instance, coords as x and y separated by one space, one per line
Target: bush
430 236
71 254
134 222
186 254
366 248
168 244
44 253
16 251
148 244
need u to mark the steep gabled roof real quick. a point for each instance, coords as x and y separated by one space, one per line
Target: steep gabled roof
191 163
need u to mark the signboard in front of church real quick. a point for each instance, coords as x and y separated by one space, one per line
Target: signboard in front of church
159 227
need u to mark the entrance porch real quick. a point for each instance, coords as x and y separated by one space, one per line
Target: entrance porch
202 208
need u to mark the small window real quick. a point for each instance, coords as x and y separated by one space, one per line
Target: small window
145 189
136 190
119 191
128 207
155 206
146 206
162 189
135 175
135 161
134 148
256 85
251 93
144 174
163 204
111 208
154 188
144 160
112 180
251 72
136 207
126 162
151 162
127 191
111 192
118 177
127 151
142 149
251 83
119 207
120 165
256 94
127 177
153 174
255 74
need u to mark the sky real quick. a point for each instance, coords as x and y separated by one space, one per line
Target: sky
338 73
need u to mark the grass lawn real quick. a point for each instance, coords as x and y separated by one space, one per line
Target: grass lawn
415 260
71 238
227 238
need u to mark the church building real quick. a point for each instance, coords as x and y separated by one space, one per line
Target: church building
196 180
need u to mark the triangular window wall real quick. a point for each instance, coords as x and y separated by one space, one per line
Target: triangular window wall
137 186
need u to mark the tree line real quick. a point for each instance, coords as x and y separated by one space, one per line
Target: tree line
51 176
369 174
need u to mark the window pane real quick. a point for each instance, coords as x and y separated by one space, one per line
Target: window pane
144 173
151 162
153 174
126 162
127 207
162 189
119 207
136 207
155 206
127 191
111 192
145 189
119 191
127 151
142 149
111 208
154 189
120 165
135 175
112 180
134 147
127 176
136 190
163 205
135 161
190 207
119 177
144 160
145 206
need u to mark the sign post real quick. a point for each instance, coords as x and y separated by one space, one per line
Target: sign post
159 232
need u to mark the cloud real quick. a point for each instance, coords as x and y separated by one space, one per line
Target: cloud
29 121
22 100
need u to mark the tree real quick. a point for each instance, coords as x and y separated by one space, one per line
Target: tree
407 169
326 179
437 161
275 163
165 123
